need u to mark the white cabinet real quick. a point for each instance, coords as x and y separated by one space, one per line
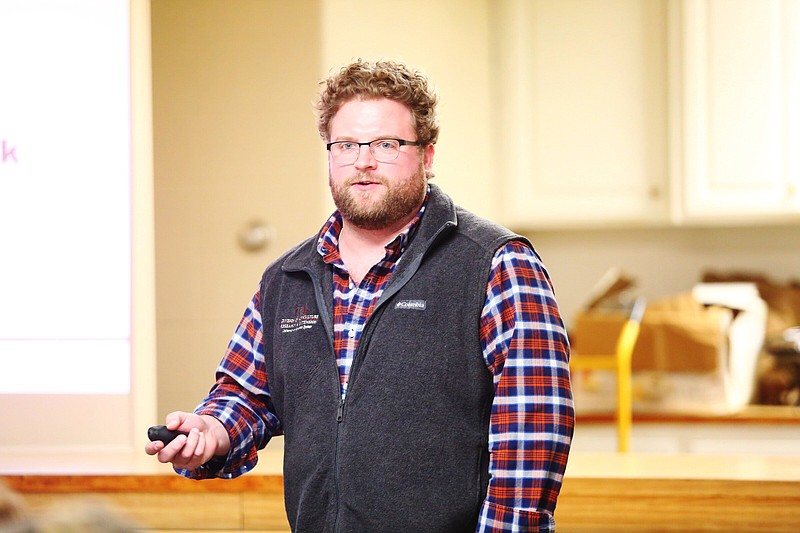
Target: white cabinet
735 110
639 112
582 126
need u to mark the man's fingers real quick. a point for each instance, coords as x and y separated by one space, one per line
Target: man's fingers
172 451
189 449
190 445
175 419
201 445
152 448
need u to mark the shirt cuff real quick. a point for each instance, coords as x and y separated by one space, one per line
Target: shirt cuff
496 518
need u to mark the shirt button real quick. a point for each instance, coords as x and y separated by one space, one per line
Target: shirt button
352 333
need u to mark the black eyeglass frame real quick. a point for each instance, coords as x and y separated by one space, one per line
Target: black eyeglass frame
401 142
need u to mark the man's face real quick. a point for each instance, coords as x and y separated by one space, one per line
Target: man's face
371 194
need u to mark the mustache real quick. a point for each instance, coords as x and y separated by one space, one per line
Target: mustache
366 176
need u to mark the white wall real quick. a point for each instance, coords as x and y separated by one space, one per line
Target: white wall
664 261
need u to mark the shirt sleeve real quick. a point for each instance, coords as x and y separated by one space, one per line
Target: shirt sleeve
526 349
240 399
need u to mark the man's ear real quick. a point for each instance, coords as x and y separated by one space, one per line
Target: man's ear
427 158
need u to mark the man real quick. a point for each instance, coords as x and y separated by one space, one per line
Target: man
411 353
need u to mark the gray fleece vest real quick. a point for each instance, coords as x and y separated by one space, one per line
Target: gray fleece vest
407 450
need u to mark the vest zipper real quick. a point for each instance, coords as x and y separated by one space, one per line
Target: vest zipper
340 411
339 417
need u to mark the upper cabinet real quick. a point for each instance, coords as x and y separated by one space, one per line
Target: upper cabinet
582 96
634 112
735 110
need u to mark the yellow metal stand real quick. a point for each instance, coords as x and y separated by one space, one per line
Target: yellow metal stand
620 363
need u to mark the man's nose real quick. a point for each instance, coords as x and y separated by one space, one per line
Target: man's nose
365 158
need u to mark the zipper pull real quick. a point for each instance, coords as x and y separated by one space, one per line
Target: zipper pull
340 411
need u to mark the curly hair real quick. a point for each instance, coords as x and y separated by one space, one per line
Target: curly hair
380 79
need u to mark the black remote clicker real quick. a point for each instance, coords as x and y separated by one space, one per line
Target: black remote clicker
163 434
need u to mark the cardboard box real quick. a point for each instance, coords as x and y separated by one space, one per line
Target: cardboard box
696 352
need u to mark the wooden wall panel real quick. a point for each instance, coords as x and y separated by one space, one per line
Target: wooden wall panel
685 505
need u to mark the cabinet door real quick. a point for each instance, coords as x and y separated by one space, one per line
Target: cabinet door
582 101
740 116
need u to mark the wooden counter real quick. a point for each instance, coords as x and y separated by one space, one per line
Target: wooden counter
601 492
653 492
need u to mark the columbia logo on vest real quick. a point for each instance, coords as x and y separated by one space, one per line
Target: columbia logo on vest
413 305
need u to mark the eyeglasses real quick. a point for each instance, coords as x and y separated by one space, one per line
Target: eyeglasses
383 150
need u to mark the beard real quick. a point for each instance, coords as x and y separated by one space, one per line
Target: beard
365 211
